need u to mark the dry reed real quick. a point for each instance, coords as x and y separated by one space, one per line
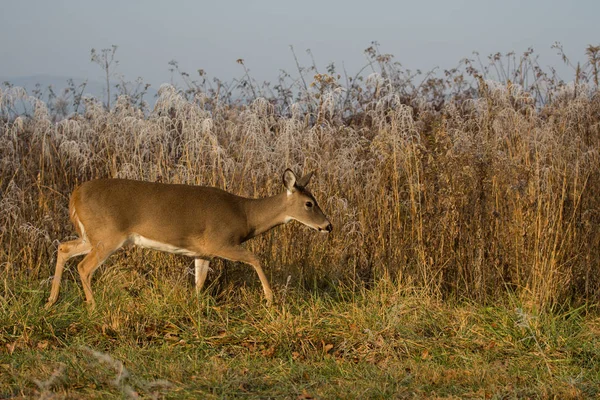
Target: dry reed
475 197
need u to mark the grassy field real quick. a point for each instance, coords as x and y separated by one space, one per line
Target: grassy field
463 262
150 338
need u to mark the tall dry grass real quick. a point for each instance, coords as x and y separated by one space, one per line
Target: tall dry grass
474 196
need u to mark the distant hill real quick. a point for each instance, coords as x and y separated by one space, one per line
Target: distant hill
58 84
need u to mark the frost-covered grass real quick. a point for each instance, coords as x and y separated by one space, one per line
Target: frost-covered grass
486 197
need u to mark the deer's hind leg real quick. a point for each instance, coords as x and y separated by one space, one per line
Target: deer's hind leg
94 259
66 251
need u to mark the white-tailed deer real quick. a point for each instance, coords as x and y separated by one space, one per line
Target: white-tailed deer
200 222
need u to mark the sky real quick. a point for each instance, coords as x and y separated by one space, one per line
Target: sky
55 37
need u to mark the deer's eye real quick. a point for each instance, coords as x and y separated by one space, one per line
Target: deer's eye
308 204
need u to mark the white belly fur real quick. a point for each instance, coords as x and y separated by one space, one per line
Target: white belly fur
139 240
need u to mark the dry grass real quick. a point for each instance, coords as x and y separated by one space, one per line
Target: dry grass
488 202
485 197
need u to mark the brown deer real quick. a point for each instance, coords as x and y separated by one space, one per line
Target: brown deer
196 221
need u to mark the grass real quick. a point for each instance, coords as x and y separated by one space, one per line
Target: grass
463 261
153 338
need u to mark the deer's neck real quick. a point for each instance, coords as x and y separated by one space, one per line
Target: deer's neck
266 213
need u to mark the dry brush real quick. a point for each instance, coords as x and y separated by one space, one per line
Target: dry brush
477 198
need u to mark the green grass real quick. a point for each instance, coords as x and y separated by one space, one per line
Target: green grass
154 338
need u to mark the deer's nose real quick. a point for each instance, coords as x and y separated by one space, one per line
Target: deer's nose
329 228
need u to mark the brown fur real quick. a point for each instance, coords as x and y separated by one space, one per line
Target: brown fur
202 222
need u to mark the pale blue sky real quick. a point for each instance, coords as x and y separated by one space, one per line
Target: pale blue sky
55 37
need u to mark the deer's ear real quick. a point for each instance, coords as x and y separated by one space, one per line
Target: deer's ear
289 180
302 182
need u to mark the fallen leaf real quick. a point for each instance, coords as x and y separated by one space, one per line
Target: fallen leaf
11 347
305 396
326 347
269 352
243 387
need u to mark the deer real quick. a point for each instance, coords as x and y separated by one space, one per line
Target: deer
196 221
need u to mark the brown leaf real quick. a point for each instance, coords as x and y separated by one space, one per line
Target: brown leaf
11 347
490 345
269 352
171 337
250 345
243 387
305 396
